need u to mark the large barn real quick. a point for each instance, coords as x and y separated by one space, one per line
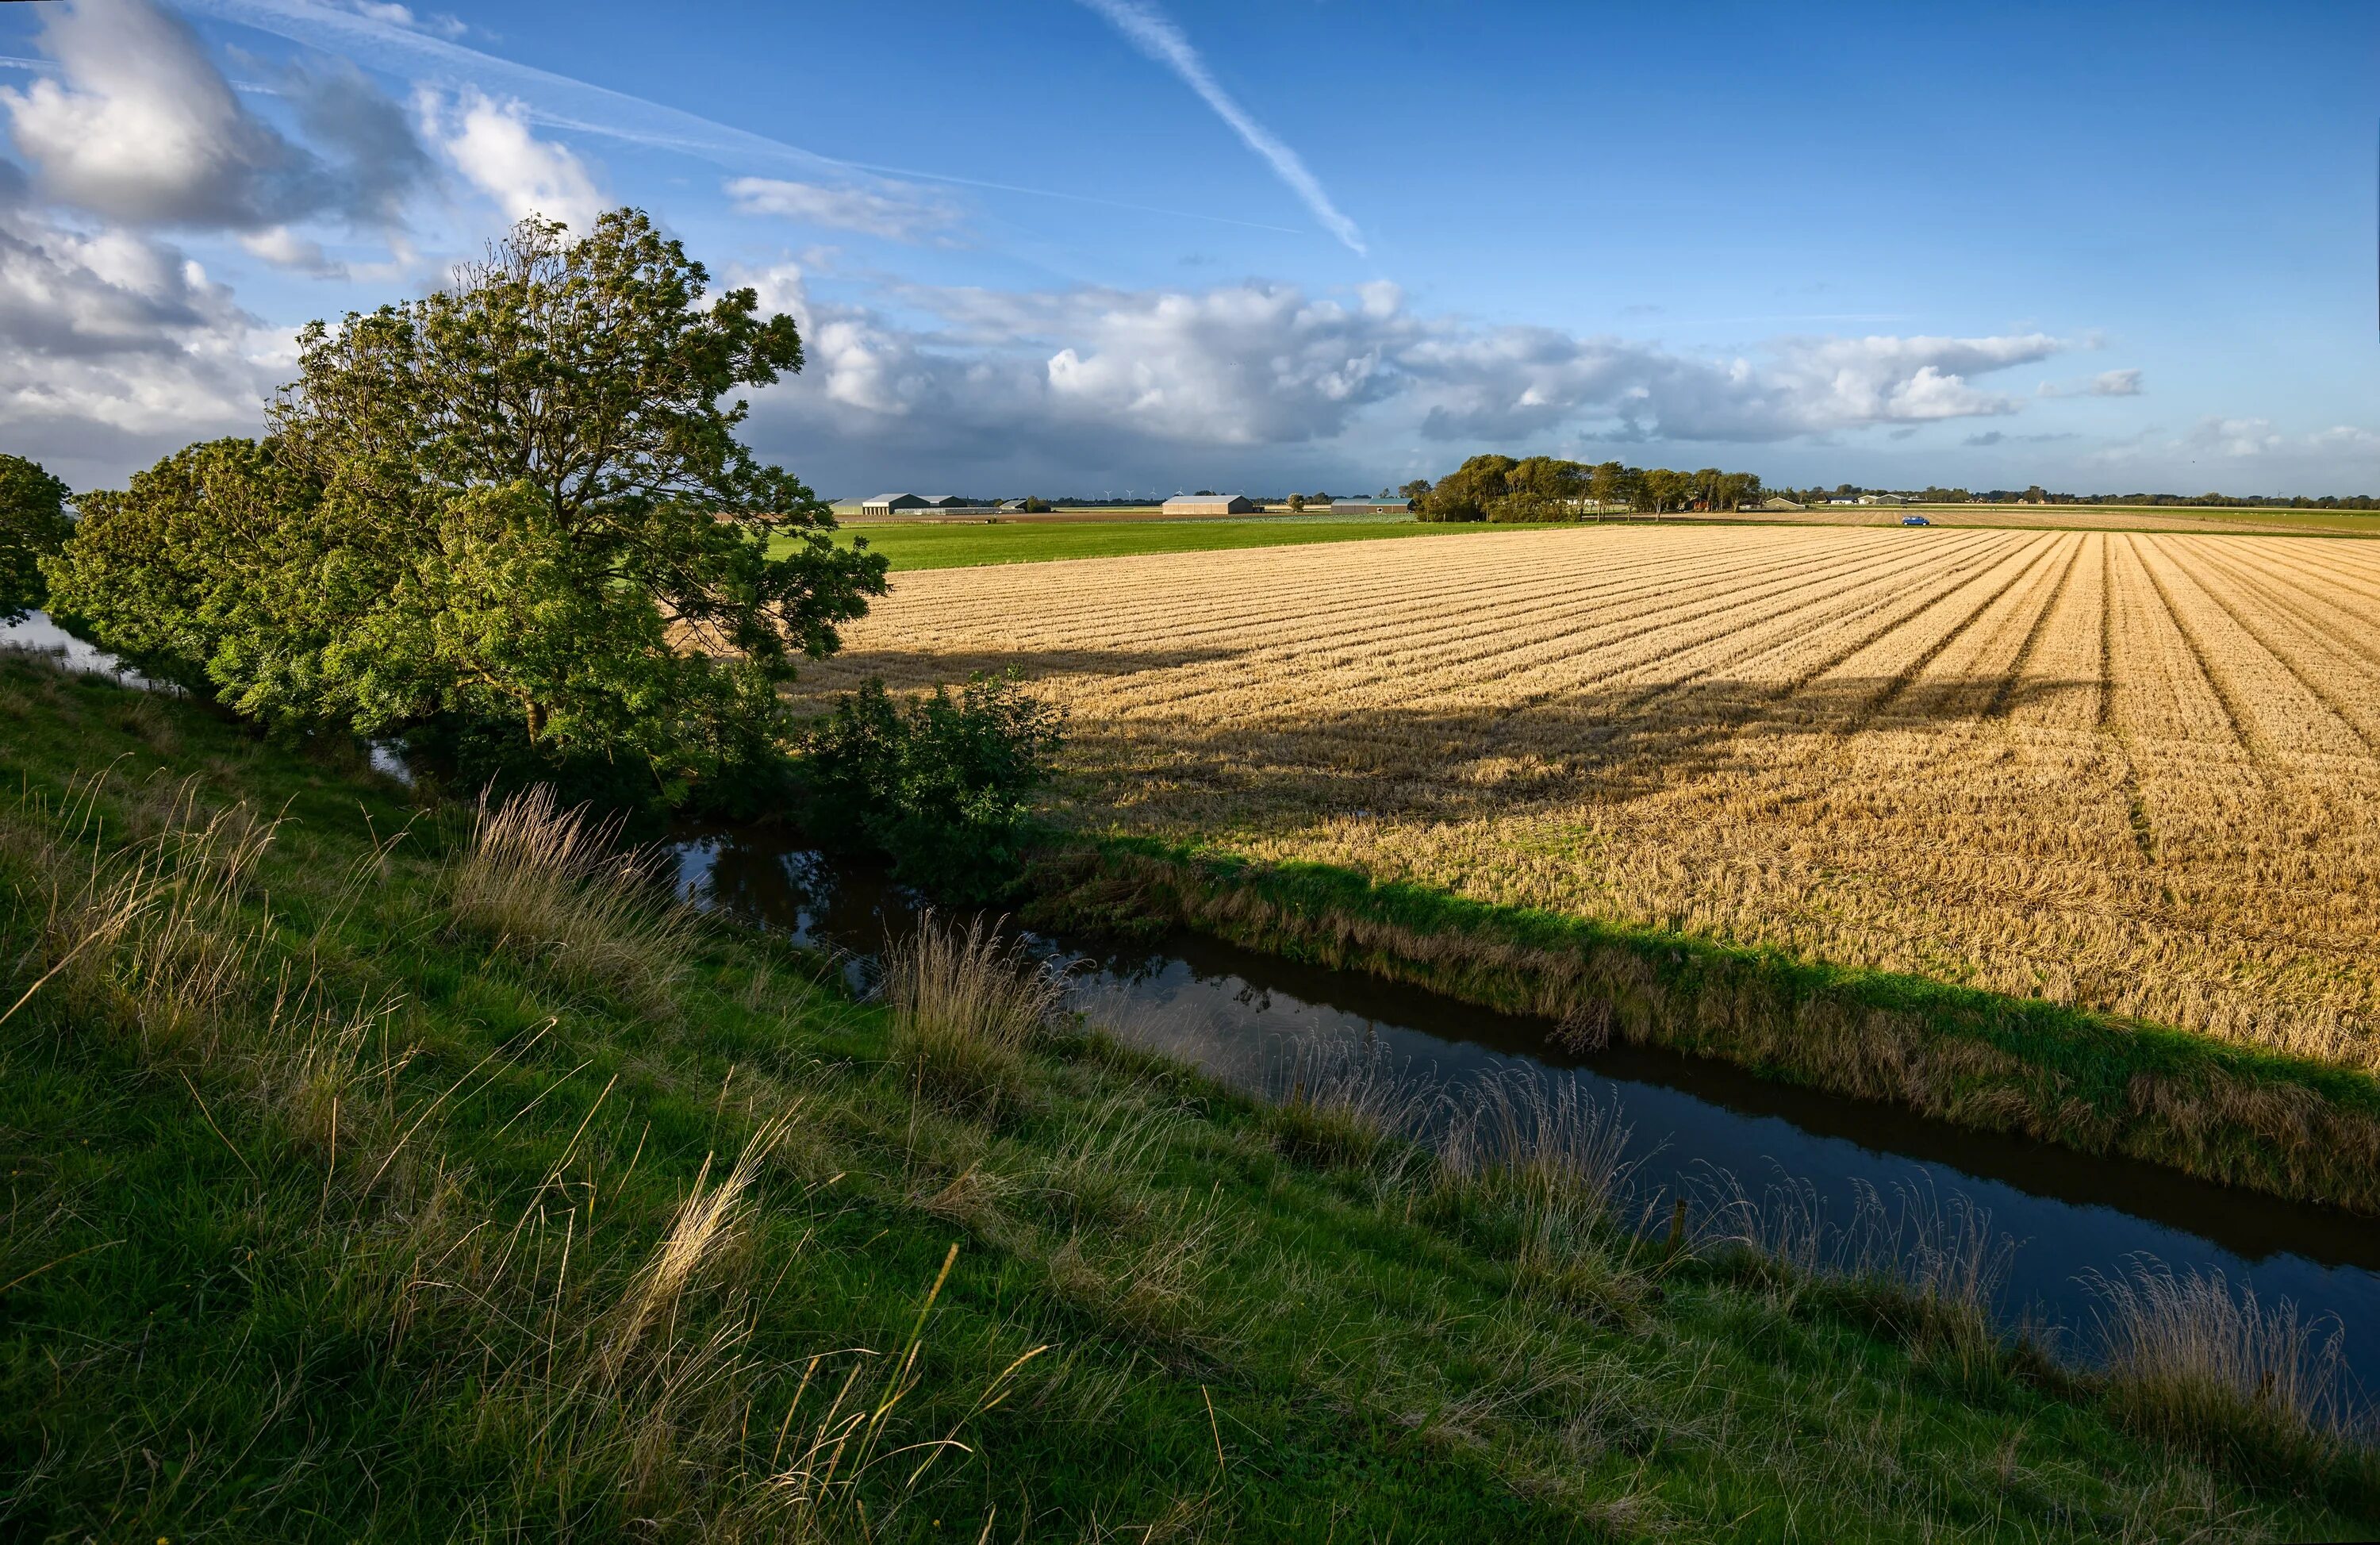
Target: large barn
1209 504
885 506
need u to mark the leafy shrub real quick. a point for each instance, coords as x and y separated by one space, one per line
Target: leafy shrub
33 526
936 783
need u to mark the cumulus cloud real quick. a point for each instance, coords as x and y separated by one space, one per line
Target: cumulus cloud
2256 448
490 142
893 210
2001 437
2234 437
1514 380
115 348
1155 35
2115 383
140 127
436 24
1093 377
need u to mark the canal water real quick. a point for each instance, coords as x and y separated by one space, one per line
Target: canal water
1700 1128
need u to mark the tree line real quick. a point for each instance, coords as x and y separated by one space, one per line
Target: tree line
1536 488
513 523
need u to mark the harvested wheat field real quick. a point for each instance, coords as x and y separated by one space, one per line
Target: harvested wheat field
2132 772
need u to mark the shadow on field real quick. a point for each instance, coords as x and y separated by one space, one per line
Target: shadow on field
1216 754
1283 768
920 668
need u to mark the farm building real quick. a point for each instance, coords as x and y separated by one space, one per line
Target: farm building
886 504
1773 503
1368 506
1209 504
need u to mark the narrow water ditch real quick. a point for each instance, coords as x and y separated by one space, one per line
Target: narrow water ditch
1698 1125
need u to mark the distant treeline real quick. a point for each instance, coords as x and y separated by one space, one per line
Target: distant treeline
1549 488
2036 494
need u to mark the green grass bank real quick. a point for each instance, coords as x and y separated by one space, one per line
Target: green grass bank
391 1174
2090 1082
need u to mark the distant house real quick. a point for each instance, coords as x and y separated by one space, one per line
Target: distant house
1369 506
1209 504
1776 502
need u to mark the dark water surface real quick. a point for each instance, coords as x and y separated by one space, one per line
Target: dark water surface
1239 1015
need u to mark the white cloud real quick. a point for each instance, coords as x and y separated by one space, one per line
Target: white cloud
1093 378
2115 383
2261 453
143 126
437 24
2234 437
490 142
1155 35
1514 380
139 126
893 209
115 348
283 247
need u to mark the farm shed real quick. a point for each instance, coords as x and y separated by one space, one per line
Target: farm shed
1209 504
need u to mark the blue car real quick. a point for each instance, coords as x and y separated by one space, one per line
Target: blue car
1916 520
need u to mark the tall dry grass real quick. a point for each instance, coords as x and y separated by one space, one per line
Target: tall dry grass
1555 1160
151 939
2216 1369
965 1007
1353 1105
554 885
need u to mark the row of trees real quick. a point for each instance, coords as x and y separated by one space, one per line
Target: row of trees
1549 488
514 522
1933 493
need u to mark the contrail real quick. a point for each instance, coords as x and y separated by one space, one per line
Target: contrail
1156 36
561 101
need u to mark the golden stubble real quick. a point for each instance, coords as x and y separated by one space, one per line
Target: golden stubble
2128 772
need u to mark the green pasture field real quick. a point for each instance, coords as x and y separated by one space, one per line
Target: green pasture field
917 547
971 546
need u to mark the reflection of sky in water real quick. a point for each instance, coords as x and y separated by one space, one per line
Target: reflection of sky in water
1238 1014
39 635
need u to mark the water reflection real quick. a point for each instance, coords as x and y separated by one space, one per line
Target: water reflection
1238 1014
36 634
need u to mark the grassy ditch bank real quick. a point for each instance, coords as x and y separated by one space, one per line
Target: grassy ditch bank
2089 1082
394 1174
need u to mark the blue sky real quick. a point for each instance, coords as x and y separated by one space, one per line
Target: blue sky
1082 245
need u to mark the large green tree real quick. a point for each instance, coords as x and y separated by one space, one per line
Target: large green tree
34 527
521 500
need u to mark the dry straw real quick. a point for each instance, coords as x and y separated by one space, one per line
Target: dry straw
2139 774
965 1007
554 885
